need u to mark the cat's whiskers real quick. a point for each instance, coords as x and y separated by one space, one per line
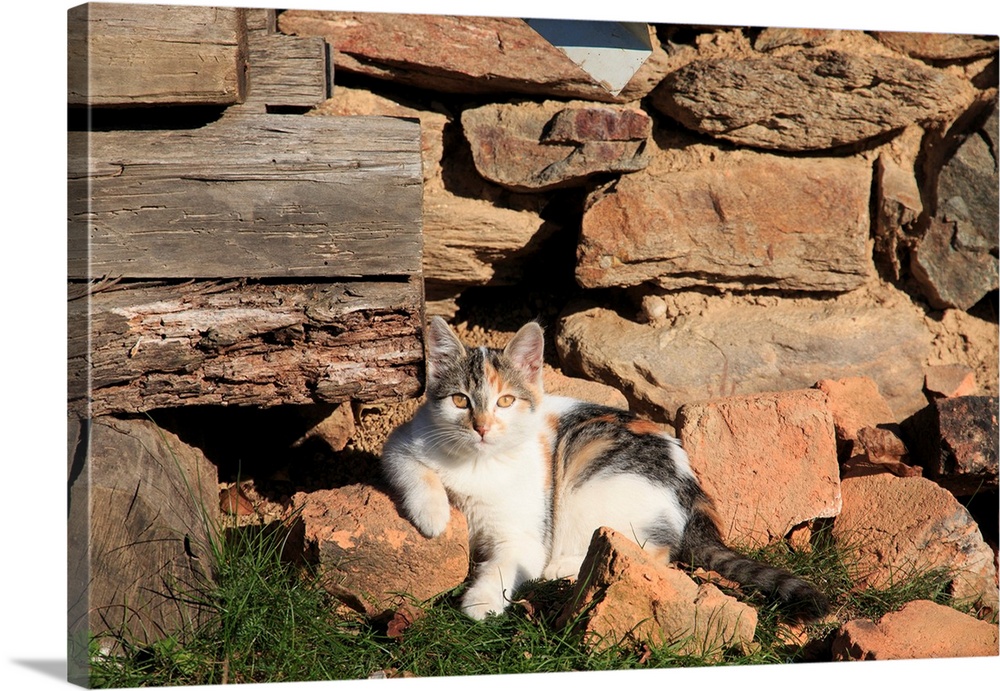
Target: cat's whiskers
449 440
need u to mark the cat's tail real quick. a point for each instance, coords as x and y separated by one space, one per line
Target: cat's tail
702 545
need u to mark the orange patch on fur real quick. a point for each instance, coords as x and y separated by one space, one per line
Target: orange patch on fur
583 457
706 507
643 427
492 376
547 439
552 420
430 477
546 443
659 552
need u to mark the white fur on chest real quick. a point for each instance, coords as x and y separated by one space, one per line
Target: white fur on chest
501 494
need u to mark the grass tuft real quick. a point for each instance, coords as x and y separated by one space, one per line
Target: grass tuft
269 622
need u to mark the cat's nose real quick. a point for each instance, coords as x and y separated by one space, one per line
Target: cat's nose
481 427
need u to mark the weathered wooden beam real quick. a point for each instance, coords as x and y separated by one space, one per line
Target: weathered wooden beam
288 71
265 344
250 195
260 19
129 54
284 71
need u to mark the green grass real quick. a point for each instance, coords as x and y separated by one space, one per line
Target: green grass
831 566
269 622
273 622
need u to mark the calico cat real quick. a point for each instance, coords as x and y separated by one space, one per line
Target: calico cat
535 475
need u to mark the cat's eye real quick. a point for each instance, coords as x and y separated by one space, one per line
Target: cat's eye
460 400
506 401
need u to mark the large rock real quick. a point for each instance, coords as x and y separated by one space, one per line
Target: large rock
740 221
370 557
623 595
950 274
747 348
927 46
955 440
530 147
768 461
775 37
144 510
465 55
956 260
809 99
921 629
896 527
470 226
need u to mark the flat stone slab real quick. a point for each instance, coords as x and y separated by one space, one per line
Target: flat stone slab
747 349
928 46
457 54
531 147
809 99
921 629
755 222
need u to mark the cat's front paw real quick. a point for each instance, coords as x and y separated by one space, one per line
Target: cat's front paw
431 517
478 603
563 567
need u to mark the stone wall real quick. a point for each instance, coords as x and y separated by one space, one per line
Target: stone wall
757 209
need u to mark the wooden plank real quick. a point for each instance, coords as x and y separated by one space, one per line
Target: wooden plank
250 195
166 345
288 71
260 19
128 54
284 71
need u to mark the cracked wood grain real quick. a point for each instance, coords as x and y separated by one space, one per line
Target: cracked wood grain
250 195
122 55
155 345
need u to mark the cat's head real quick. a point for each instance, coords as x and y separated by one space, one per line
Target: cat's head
484 396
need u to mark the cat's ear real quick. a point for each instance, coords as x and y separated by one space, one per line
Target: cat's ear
525 350
443 347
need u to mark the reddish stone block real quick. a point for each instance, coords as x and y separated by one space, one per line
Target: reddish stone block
898 527
855 403
370 556
602 124
624 593
768 461
530 147
949 381
921 629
